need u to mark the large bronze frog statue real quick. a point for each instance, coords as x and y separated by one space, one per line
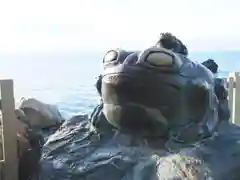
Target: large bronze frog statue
157 120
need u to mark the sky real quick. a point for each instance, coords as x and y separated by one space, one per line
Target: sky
28 26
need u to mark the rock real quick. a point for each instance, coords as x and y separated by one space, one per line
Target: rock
158 120
39 114
34 117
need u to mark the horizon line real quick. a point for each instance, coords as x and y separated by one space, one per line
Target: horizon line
103 51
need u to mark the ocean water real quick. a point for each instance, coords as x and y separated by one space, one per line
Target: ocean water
67 80
64 80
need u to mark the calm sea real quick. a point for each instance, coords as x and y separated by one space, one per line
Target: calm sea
67 80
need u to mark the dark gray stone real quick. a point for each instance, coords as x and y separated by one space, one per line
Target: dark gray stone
182 139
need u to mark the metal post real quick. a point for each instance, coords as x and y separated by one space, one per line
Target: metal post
237 99
9 131
231 94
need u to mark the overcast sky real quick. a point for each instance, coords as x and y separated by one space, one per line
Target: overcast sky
95 25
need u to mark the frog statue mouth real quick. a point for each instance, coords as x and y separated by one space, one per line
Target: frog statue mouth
153 92
131 106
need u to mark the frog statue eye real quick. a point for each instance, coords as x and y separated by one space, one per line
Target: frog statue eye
110 56
160 59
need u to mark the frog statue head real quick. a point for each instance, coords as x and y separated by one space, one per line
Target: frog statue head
157 92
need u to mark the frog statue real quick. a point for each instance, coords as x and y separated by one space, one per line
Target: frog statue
157 120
